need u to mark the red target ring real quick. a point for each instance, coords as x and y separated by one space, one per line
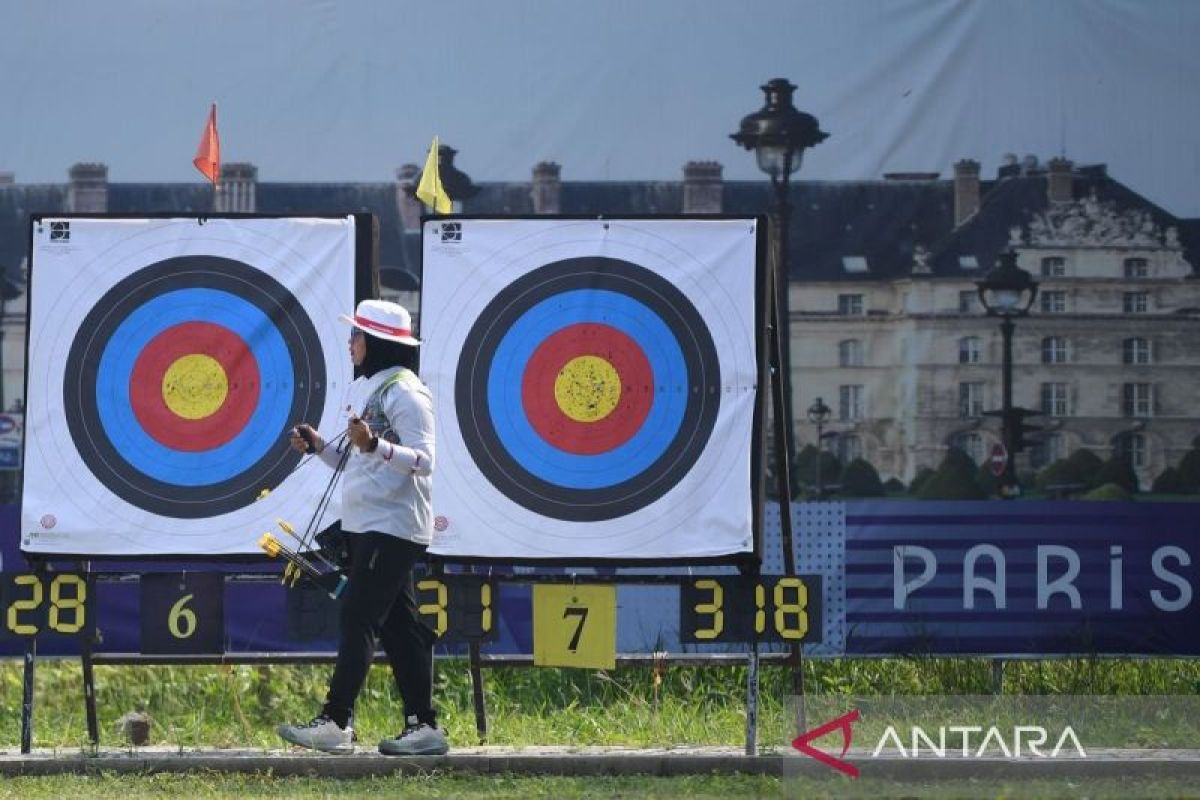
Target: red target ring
241 377
627 362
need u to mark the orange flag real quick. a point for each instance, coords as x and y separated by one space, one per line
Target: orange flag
208 154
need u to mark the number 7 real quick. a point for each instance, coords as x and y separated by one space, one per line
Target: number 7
582 613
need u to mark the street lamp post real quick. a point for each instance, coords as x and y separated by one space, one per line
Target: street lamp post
818 414
779 134
1008 292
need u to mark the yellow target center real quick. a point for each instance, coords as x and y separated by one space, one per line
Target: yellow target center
195 386
587 388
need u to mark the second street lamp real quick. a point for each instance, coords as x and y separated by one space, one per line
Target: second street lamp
818 414
1008 292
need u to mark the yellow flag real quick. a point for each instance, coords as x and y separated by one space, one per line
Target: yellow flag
430 190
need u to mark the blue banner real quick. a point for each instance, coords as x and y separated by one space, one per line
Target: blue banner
1021 578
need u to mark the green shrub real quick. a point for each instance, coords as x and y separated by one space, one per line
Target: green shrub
1189 472
860 479
1168 482
1108 491
1082 466
987 480
919 480
1118 470
893 486
954 479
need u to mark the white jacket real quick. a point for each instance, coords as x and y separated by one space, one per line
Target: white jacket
390 490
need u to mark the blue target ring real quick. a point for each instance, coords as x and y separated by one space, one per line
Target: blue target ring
557 466
131 337
648 311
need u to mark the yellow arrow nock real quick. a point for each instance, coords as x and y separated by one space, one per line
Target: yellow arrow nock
270 545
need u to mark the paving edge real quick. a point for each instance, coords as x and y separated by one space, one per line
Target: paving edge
1127 764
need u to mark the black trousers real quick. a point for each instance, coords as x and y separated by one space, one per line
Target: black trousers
380 606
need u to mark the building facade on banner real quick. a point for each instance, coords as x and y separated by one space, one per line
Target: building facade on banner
886 325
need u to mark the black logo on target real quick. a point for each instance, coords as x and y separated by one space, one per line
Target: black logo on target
206 313
608 320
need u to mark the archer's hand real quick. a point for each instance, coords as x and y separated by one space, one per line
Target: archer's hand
304 439
360 434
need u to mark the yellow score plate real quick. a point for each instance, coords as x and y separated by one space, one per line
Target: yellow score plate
575 626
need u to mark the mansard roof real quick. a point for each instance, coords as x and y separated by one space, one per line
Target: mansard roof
1017 210
841 230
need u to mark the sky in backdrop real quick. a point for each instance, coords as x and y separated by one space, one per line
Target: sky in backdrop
348 90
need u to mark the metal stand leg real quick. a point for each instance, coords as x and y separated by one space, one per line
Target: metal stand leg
752 702
481 724
798 688
27 697
997 676
89 694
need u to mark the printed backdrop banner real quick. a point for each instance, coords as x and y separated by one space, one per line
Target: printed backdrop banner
1062 578
595 386
167 359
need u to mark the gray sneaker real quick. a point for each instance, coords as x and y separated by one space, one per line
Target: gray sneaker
321 734
417 739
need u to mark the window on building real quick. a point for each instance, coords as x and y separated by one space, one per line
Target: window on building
970 399
850 402
1056 350
968 262
854 264
1054 267
1136 302
850 305
1138 399
850 353
970 443
1136 350
849 447
1055 401
1047 449
968 350
1132 446
1053 301
1137 268
968 301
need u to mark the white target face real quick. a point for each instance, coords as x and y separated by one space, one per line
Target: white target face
167 360
595 385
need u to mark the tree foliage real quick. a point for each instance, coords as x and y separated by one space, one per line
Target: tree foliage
860 479
1189 471
919 480
1118 470
1081 467
953 480
1108 491
1168 482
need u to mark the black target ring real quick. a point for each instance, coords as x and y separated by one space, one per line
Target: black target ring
265 464
502 464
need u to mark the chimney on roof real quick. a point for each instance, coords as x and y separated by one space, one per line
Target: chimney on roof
236 191
547 188
406 197
966 190
87 190
1059 183
1009 168
702 187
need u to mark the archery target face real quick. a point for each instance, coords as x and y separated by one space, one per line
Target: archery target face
594 384
168 358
